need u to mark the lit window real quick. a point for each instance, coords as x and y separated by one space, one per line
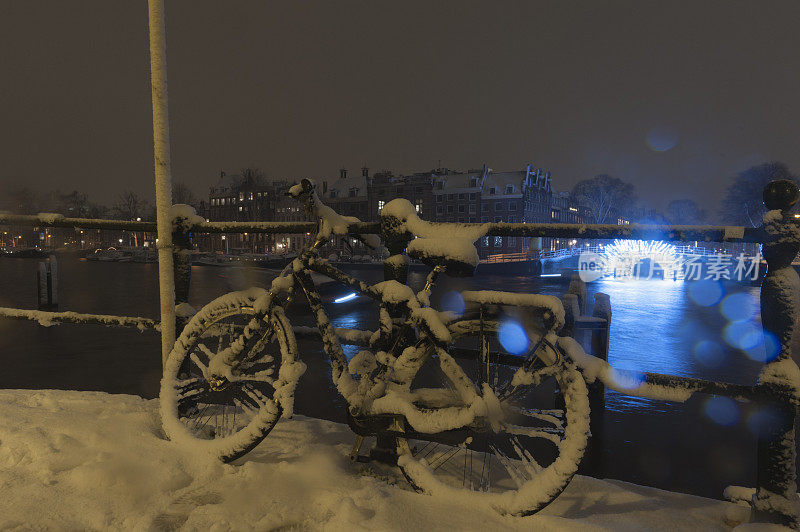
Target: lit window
498 241
381 204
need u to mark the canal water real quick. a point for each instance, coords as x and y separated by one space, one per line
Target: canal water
707 330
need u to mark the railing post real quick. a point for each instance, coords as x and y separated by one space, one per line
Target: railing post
182 270
776 499
163 174
395 267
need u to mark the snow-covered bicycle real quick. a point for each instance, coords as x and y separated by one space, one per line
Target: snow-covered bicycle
466 416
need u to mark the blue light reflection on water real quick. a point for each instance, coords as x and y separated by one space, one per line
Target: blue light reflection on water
661 327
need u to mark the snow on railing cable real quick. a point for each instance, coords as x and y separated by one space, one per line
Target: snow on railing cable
47 319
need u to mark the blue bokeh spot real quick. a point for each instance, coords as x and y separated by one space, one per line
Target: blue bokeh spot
739 307
513 337
743 335
767 349
709 353
662 139
722 411
706 292
453 302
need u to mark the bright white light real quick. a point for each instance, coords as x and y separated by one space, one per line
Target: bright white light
120 241
550 275
348 297
624 257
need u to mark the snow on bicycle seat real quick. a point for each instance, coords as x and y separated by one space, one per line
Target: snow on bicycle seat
457 255
537 302
436 244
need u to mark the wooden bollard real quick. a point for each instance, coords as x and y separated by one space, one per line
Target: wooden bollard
47 284
593 463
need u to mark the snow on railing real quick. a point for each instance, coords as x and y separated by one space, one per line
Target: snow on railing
54 318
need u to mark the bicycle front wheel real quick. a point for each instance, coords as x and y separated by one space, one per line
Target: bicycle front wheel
526 455
228 421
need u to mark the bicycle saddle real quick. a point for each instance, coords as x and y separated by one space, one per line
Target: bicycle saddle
458 256
448 245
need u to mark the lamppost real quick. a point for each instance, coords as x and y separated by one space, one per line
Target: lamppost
226 243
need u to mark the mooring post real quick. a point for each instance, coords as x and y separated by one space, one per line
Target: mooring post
47 285
53 286
776 498
571 313
593 463
578 287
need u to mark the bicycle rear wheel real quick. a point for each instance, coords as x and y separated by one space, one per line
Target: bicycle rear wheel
228 421
524 457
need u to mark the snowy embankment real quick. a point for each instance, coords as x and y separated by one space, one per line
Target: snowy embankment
90 460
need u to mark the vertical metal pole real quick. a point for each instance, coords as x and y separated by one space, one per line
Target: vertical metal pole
163 175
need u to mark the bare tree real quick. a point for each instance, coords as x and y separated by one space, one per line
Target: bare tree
22 201
685 212
743 204
181 193
130 206
74 204
604 195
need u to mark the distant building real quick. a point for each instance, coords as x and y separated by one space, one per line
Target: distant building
439 195
251 197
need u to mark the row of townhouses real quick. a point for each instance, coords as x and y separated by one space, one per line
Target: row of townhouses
440 195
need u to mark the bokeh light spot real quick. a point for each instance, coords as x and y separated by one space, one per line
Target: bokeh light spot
767 349
722 411
743 335
662 139
739 307
706 292
709 353
453 302
513 337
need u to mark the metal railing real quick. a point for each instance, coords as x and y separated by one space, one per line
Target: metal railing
779 298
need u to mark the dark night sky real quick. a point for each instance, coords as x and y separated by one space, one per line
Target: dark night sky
301 88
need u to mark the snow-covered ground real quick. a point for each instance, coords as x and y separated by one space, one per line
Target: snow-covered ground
90 460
